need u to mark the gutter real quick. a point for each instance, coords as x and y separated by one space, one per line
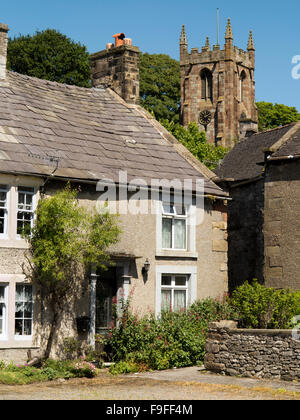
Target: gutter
94 182
290 157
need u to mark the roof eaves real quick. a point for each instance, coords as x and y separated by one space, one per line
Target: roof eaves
276 146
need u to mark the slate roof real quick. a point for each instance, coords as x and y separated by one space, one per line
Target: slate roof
290 148
244 161
91 133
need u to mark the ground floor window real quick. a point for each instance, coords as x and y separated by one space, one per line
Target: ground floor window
23 310
174 292
3 309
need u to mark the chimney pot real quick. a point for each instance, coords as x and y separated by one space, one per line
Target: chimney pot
119 39
109 45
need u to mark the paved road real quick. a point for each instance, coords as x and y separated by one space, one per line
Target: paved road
176 384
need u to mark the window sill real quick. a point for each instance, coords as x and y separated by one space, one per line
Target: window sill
13 243
176 254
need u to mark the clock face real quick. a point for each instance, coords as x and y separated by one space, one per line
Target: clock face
205 117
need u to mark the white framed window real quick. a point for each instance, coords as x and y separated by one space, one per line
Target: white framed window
25 209
4 189
3 310
24 310
174 226
174 292
176 287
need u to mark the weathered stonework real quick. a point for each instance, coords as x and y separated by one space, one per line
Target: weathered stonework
3 50
282 225
231 100
118 68
245 233
268 354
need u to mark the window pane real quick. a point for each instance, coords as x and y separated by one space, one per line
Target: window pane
19 310
28 293
167 233
18 327
2 293
168 208
19 293
28 310
179 234
180 281
179 300
3 198
1 310
166 300
180 209
27 327
166 280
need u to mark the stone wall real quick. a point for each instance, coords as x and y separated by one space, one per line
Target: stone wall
282 225
245 233
268 354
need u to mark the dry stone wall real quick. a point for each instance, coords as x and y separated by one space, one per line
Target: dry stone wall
268 354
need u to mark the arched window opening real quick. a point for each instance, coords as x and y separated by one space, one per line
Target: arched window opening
242 85
206 84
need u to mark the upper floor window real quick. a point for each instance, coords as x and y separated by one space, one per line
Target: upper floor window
25 209
174 226
3 209
206 84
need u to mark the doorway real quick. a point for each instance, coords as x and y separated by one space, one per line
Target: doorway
106 291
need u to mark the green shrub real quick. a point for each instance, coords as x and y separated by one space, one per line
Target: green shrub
263 307
51 369
175 339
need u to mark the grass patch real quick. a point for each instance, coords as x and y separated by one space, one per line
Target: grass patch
11 374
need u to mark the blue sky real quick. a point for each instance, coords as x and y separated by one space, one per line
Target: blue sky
155 27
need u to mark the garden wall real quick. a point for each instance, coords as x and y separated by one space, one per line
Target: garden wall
268 354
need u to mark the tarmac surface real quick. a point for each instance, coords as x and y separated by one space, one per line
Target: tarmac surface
184 384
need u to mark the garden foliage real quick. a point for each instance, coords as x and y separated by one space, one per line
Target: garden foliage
175 339
264 307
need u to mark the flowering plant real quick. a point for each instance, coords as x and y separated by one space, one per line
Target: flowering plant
83 368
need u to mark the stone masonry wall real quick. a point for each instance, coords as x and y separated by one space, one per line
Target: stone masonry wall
282 225
268 354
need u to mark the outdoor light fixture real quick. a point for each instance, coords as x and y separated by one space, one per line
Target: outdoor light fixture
146 266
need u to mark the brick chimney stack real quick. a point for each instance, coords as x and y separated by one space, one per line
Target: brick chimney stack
3 50
118 68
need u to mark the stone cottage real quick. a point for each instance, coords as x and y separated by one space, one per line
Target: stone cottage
52 133
262 175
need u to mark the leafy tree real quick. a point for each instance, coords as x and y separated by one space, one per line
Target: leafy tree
195 141
65 241
275 115
49 55
160 85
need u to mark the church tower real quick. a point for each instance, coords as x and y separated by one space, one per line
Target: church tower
218 89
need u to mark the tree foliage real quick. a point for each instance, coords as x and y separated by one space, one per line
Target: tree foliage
49 55
195 141
160 85
65 241
275 115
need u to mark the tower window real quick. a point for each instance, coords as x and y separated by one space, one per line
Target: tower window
242 85
206 84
